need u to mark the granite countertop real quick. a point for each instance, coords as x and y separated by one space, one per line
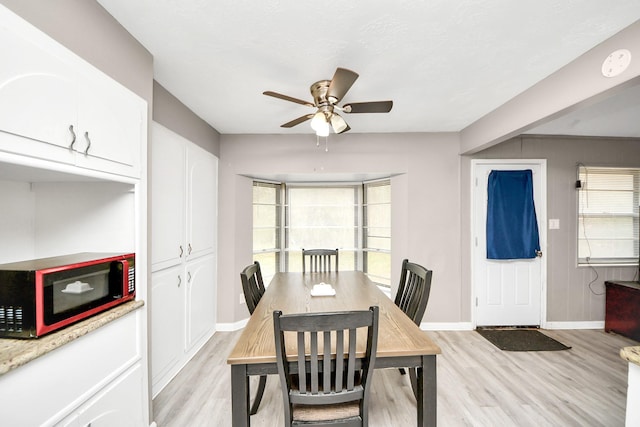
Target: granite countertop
631 354
17 352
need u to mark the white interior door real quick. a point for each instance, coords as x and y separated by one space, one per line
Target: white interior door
507 292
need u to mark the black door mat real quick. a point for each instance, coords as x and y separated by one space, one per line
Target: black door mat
520 339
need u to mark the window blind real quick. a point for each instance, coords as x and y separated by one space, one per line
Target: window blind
608 201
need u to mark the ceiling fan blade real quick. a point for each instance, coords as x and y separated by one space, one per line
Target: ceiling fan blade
297 121
338 124
288 98
368 107
341 82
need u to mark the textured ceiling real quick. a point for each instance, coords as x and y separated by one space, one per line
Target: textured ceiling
444 63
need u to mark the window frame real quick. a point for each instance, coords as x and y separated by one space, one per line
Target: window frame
278 187
584 216
359 249
380 280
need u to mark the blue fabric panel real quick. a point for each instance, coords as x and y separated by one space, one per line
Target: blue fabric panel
512 226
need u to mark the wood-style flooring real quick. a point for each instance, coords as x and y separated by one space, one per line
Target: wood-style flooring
478 385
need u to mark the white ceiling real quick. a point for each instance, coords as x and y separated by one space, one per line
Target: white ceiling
444 63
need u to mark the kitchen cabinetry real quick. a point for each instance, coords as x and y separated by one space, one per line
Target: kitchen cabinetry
60 198
183 227
112 406
65 110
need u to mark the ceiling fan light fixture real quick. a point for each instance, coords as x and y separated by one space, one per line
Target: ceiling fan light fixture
323 130
320 124
338 124
319 121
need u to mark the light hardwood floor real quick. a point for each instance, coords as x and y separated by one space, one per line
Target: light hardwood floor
478 385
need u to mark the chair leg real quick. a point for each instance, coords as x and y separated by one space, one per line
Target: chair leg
413 377
259 393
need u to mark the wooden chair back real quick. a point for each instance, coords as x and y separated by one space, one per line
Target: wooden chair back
319 260
413 291
252 285
317 386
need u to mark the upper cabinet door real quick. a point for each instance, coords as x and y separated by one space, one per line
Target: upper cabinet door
38 94
52 99
168 189
202 176
110 123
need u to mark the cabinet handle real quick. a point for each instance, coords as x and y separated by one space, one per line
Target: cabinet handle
86 136
73 135
189 253
188 277
179 280
181 251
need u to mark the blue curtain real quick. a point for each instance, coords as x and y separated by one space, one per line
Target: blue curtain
512 226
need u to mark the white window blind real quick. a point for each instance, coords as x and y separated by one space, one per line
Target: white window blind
608 215
322 216
353 217
267 213
377 231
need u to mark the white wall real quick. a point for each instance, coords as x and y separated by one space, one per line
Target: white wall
425 205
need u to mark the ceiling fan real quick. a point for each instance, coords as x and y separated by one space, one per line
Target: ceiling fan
326 95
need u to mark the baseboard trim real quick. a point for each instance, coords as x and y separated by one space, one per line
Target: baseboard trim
230 327
446 326
595 324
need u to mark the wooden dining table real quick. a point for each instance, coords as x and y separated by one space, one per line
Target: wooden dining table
401 343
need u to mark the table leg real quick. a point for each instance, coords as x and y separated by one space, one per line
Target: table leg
240 396
427 392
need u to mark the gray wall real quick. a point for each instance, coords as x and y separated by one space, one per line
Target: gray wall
569 296
174 115
425 202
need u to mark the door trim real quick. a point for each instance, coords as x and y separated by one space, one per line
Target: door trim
541 212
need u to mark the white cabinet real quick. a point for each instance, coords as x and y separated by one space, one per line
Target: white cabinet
60 198
184 199
183 254
167 323
63 109
115 405
182 316
168 193
201 294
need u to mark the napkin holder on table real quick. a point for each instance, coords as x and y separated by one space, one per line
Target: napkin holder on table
322 290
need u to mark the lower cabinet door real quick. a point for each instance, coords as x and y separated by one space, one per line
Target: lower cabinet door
168 325
201 299
119 404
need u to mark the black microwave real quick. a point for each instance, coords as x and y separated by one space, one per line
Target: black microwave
43 295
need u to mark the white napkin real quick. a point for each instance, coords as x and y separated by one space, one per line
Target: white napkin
322 289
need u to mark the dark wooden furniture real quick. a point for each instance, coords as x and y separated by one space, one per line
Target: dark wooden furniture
318 388
253 289
622 314
412 298
413 291
319 260
400 342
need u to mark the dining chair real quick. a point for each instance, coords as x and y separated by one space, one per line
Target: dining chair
319 260
320 389
253 289
412 298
